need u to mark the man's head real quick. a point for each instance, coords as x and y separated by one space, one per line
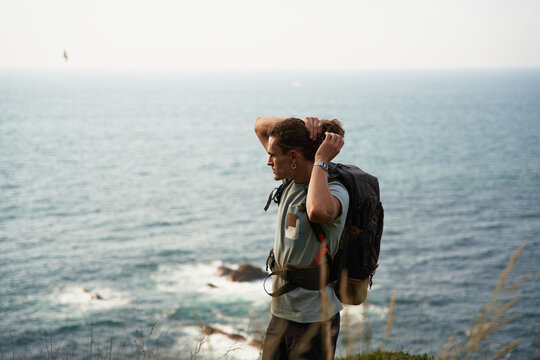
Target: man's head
289 145
292 133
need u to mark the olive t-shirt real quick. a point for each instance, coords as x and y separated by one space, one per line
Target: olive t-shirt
296 243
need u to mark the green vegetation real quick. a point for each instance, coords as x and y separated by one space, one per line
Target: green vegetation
387 355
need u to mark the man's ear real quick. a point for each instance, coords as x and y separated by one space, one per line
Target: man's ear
293 154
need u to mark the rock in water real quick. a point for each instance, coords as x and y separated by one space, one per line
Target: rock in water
209 330
222 271
96 296
245 272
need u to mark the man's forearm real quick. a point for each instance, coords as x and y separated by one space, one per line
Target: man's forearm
262 125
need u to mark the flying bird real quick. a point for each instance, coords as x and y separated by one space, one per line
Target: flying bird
65 56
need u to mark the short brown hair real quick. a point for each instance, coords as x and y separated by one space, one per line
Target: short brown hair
292 133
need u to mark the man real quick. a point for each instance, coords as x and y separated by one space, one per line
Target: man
305 323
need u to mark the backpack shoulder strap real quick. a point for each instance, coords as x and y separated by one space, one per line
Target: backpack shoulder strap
275 195
321 236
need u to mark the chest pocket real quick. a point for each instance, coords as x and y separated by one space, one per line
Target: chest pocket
295 222
292 226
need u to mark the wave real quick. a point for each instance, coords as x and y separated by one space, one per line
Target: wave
220 344
227 312
160 224
203 279
87 299
239 312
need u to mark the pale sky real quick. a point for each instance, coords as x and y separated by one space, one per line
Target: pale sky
270 34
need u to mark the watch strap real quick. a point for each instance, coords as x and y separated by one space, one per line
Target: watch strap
322 164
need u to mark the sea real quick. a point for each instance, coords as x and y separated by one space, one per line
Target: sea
123 192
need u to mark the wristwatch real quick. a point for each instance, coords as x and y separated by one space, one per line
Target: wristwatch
322 164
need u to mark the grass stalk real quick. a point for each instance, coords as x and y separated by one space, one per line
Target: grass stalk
325 331
444 354
506 349
390 317
12 344
484 325
493 316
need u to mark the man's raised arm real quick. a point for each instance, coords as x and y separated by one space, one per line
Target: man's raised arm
262 125
323 207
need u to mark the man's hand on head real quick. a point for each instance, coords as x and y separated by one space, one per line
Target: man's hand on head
314 126
329 148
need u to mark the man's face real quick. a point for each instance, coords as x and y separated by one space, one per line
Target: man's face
278 160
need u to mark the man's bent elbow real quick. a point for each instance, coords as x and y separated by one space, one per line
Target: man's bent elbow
259 126
321 216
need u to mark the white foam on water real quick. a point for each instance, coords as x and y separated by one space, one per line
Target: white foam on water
356 314
204 279
219 346
194 278
89 299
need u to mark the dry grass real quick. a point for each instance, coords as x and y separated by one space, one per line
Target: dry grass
390 317
326 335
490 319
493 316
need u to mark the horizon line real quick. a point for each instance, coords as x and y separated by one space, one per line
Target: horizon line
58 68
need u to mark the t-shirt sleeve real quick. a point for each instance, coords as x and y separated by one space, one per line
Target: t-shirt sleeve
339 191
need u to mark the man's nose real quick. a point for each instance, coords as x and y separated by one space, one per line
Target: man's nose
269 162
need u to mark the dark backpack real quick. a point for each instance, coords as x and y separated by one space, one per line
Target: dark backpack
352 268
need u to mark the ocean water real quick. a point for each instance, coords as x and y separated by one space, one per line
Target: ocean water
137 186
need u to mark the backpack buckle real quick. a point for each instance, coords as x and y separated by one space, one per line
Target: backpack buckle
355 231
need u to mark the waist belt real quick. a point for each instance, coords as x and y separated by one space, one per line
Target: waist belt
305 277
